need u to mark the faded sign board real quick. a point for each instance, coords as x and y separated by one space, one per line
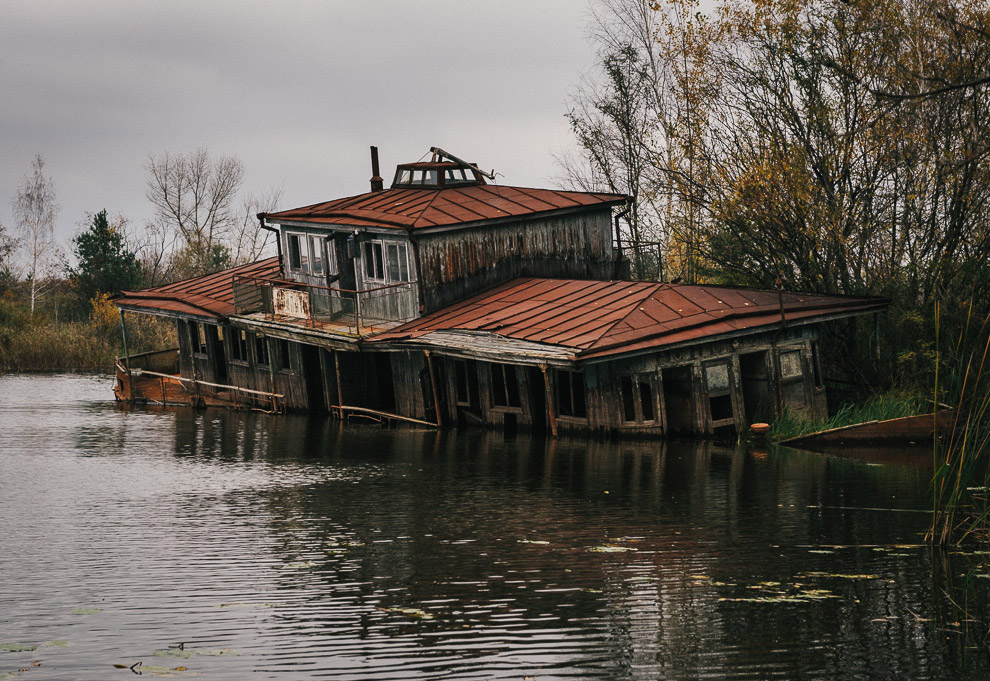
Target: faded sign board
290 303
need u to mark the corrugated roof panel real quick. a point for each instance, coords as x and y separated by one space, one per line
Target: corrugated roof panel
599 318
422 208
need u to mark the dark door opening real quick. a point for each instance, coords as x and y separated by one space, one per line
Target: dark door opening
537 398
312 372
678 400
757 387
384 381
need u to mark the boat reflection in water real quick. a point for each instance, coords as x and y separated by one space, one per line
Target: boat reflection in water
297 546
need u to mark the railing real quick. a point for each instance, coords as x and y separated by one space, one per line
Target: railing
236 395
356 311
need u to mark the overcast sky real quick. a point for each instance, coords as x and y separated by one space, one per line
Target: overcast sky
297 90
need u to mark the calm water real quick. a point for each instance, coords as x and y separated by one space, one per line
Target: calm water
294 548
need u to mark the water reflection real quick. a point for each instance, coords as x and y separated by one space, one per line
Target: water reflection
298 545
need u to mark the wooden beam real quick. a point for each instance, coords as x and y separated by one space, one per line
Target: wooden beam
433 386
550 408
340 390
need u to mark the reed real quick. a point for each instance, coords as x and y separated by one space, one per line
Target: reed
881 407
960 479
77 346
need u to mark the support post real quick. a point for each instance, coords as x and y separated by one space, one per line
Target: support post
123 333
433 386
127 358
550 407
340 391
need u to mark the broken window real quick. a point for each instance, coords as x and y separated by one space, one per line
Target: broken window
505 386
238 345
570 394
638 399
284 356
719 393
261 351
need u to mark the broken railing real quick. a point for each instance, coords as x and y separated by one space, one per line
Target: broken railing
356 311
153 386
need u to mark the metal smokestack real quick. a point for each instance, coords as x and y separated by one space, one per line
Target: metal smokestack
377 183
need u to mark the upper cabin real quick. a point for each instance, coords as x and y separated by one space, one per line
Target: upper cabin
441 233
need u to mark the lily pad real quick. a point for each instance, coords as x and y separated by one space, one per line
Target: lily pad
16 648
58 643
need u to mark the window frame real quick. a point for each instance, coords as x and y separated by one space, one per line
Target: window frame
377 262
504 393
570 394
631 395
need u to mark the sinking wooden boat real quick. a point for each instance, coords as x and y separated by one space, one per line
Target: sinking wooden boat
154 378
920 429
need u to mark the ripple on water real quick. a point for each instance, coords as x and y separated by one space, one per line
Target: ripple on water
293 547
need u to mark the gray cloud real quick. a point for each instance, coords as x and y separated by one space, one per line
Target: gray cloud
297 90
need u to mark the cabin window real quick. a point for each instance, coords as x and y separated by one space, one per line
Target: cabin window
261 351
638 399
505 386
386 261
405 177
284 356
316 255
197 337
792 386
790 364
374 266
239 345
719 393
295 259
570 394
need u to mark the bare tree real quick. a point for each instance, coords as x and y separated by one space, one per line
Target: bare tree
248 242
35 210
194 196
8 244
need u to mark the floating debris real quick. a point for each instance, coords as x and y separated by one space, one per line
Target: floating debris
299 565
409 612
533 541
16 648
611 548
835 575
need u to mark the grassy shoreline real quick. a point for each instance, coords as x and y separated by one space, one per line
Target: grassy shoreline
77 347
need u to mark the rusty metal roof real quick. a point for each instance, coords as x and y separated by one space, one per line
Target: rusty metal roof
211 295
604 318
407 208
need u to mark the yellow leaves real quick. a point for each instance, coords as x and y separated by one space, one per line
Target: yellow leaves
103 312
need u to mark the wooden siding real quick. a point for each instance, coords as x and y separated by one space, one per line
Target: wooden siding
457 264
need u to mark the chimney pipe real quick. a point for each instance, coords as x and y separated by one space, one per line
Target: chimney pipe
377 183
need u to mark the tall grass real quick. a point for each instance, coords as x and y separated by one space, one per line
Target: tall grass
960 480
881 407
78 346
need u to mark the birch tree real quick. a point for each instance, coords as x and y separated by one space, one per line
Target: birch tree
35 210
